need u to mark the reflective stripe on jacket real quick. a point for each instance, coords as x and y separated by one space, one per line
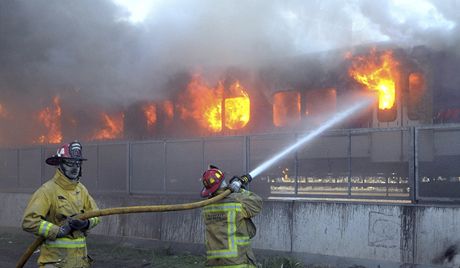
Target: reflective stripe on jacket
48 209
66 243
229 229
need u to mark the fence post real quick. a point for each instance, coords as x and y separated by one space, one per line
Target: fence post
349 163
18 169
413 164
296 169
246 154
165 167
128 168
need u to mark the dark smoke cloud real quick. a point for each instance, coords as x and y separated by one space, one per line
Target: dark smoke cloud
86 46
61 46
90 54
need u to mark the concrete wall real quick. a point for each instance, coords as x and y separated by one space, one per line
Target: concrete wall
383 235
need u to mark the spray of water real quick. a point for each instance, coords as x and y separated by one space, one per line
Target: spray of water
328 124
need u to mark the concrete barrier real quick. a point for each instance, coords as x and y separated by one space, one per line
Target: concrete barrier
383 235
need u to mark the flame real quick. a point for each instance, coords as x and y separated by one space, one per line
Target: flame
377 72
237 109
3 112
415 97
51 118
202 103
150 112
168 109
416 81
286 108
113 127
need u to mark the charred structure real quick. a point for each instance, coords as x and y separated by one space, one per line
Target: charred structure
285 95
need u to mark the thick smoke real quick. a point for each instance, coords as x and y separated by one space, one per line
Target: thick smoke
90 54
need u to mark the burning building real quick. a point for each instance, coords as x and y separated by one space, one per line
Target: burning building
400 85
290 95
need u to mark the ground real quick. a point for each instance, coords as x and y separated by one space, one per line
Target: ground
105 254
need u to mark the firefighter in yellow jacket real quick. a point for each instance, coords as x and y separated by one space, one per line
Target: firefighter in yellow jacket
51 209
229 227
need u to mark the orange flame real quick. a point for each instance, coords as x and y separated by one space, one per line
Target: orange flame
286 108
416 81
237 109
377 72
202 103
51 118
3 112
417 86
150 112
113 127
168 109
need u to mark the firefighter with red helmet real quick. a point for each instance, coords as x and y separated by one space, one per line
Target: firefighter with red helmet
51 209
229 227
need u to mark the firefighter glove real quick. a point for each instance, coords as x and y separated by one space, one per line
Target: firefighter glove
64 230
235 185
235 178
77 224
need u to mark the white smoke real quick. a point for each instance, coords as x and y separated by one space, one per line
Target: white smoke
102 53
245 32
93 47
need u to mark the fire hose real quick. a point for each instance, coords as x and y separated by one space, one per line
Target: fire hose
162 208
124 210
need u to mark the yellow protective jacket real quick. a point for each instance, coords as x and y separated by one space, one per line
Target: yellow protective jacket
48 209
229 229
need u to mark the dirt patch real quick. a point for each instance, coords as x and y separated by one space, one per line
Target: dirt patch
106 255
109 255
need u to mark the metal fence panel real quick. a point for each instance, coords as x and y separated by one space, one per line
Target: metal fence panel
184 166
328 146
323 166
89 168
425 145
279 178
48 171
113 168
30 168
9 168
375 164
384 171
447 142
147 167
438 163
226 153
360 144
389 146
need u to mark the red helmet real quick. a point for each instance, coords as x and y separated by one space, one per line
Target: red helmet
212 179
67 151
